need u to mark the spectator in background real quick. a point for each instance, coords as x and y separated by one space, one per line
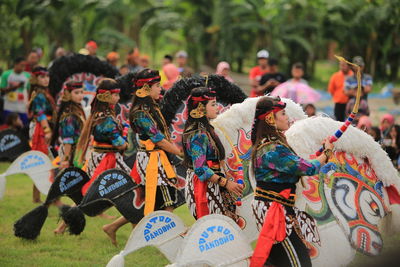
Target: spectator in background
60 52
391 144
223 69
133 61
310 110
257 71
336 89
167 60
144 61
12 121
123 70
171 73
271 79
297 73
31 61
14 87
91 47
387 121
113 58
375 133
181 60
351 90
364 123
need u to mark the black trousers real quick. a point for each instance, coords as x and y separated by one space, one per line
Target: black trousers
340 111
289 252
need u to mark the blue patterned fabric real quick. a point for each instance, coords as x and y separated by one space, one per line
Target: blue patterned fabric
108 132
277 163
200 149
351 81
70 129
40 107
145 126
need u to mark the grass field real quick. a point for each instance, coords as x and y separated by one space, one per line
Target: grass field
92 247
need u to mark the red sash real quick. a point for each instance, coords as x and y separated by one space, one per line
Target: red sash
274 229
108 162
200 193
38 139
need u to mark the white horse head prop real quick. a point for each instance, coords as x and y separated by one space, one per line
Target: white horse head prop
359 161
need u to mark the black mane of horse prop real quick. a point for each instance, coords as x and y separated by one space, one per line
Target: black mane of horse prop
69 183
227 93
66 66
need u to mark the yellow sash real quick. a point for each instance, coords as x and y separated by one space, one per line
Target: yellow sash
152 173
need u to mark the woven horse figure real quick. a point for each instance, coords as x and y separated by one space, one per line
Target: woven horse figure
348 198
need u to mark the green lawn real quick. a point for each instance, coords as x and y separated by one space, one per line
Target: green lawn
92 247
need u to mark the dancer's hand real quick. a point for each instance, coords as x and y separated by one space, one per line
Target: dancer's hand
234 187
64 164
327 144
47 137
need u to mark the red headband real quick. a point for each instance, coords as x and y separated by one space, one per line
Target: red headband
197 99
150 81
277 107
72 86
40 73
116 90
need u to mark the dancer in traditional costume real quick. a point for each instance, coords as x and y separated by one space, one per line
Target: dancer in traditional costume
69 122
207 190
68 128
152 167
284 230
41 110
109 141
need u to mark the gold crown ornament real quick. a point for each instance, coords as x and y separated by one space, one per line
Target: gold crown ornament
144 91
198 112
104 97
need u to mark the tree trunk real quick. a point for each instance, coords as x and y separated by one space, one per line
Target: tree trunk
26 36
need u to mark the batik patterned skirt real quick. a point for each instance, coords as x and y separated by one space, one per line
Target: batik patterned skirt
96 157
220 201
167 194
304 225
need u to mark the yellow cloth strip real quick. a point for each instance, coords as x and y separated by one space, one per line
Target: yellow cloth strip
152 174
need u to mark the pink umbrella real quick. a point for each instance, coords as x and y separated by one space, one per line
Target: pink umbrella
299 92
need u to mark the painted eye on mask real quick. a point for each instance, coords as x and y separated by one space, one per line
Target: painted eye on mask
371 207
